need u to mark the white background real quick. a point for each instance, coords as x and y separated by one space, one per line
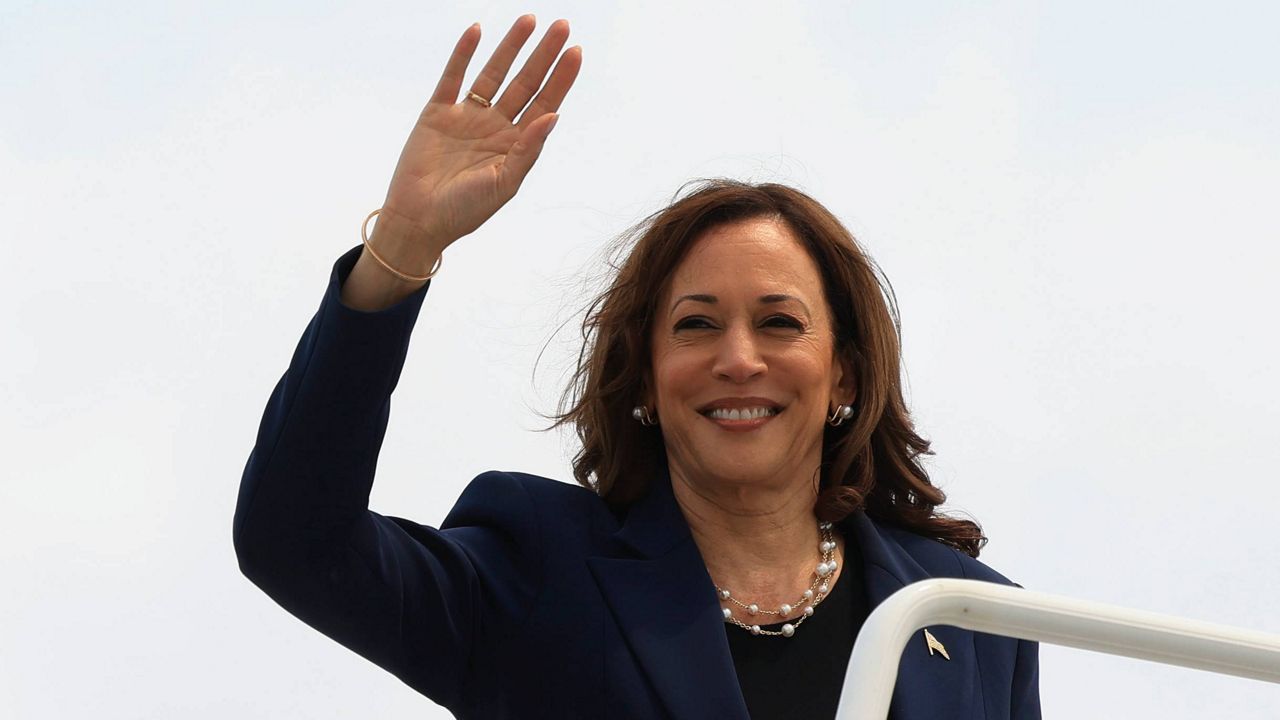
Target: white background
1075 202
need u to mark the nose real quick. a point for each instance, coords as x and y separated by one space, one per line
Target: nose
737 356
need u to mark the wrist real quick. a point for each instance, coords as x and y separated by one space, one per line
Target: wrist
370 287
404 245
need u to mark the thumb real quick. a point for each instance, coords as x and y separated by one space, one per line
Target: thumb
524 153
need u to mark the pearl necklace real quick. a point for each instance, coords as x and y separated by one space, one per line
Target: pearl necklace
816 592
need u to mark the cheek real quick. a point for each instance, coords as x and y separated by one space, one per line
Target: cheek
677 374
807 365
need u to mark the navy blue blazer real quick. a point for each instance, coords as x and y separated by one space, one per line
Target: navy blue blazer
532 599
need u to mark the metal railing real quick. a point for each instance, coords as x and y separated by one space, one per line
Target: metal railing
1025 614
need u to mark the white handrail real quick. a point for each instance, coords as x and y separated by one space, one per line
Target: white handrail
1014 612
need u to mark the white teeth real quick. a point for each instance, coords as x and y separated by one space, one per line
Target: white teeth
741 414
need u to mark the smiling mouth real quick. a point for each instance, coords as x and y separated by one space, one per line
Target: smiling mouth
757 413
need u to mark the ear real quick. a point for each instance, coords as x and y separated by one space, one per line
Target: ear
844 385
646 390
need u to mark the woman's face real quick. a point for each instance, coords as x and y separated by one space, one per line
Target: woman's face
744 369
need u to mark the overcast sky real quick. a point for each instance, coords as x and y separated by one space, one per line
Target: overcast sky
1075 203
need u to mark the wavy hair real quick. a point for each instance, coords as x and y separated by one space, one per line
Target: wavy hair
871 462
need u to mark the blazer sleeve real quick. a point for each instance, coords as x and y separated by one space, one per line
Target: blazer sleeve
428 605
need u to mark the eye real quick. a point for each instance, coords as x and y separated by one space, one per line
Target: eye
694 322
784 321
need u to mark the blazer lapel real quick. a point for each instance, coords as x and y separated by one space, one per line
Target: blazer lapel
929 685
664 603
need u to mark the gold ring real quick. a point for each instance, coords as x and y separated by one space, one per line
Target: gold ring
477 98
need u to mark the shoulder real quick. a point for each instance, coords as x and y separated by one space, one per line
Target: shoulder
940 560
506 485
523 499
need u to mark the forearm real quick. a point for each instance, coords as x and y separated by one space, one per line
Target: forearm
311 469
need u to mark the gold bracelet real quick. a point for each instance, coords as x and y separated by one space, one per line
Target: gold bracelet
364 234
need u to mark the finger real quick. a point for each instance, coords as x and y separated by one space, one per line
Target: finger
534 71
455 70
554 92
495 71
524 153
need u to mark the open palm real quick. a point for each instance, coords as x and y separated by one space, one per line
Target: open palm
463 160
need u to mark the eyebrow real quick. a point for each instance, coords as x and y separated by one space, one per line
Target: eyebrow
771 299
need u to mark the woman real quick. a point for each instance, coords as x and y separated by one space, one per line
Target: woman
750 484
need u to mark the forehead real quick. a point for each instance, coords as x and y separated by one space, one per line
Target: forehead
757 256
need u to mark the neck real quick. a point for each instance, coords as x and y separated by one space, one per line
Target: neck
760 541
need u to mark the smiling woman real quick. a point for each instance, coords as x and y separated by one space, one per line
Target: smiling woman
750 484
754 341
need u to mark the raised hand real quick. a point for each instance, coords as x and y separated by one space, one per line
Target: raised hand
463 160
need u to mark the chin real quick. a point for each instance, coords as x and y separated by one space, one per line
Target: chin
744 467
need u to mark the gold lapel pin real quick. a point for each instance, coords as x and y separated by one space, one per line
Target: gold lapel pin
932 643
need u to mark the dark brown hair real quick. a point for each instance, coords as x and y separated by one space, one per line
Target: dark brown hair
871 462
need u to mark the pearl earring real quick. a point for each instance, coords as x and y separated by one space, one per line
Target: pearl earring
842 413
641 413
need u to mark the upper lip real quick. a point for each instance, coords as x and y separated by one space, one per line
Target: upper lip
740 403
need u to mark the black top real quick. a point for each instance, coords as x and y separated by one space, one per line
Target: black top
801 676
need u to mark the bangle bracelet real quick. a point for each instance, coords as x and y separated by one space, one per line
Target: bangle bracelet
364 234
